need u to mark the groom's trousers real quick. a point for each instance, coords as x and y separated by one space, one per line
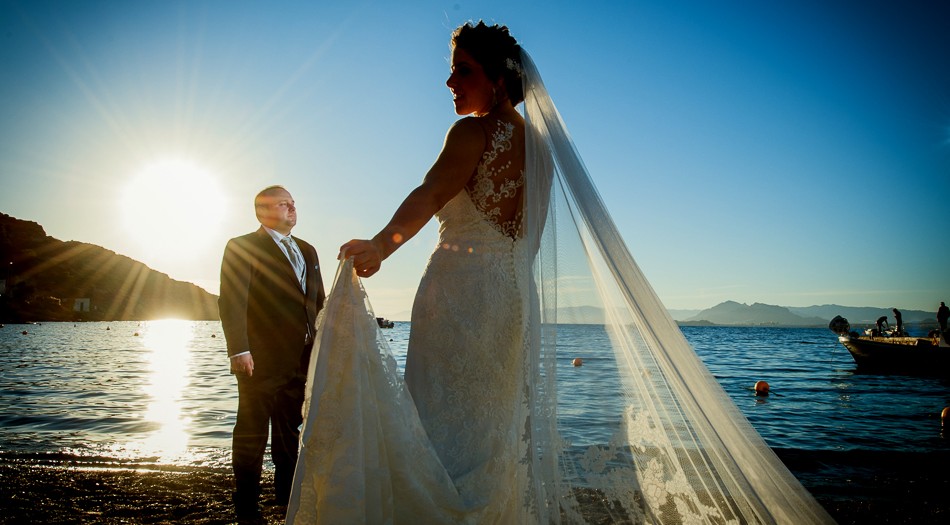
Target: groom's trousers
263 404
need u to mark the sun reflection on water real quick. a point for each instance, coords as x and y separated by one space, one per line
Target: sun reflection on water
167 343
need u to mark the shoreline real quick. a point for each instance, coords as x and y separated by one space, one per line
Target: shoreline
861 486
66 494
854 487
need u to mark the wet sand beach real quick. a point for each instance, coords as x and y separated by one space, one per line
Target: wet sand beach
63 494
855 488
870 487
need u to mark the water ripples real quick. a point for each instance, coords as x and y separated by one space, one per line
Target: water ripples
159 394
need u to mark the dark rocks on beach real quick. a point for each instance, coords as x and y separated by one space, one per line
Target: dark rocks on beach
61 494
855 488
876 486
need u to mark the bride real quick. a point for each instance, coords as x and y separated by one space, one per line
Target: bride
473 433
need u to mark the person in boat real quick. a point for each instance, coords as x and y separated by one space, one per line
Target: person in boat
898 321
881 325
943 313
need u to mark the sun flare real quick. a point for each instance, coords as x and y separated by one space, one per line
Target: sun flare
173 205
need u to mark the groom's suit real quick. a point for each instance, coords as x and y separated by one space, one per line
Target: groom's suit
265 312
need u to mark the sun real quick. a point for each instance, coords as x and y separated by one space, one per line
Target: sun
173 207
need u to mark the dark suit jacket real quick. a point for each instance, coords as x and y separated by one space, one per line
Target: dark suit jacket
262 308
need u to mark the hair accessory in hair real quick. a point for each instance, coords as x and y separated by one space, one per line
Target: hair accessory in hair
512 65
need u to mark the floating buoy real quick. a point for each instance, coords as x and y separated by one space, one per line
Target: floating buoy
107 328
24 332
213 336
761 388
577 361
944 416
136 334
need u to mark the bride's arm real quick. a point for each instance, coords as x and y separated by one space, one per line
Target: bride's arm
463 147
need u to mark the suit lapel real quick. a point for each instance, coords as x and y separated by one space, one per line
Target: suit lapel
271 248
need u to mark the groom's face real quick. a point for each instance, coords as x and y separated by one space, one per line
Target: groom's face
277 211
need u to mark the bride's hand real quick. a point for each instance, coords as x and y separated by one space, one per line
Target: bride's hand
365 254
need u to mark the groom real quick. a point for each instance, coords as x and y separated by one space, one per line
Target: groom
271 291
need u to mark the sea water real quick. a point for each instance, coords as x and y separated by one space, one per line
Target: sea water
158 394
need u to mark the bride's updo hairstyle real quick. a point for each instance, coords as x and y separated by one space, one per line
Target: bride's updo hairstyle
496 51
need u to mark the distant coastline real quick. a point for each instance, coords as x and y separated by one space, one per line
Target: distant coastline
734 314
46 279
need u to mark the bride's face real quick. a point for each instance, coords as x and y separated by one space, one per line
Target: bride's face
472 91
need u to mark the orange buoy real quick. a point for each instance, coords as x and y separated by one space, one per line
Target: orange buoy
577 361
761 388
944 416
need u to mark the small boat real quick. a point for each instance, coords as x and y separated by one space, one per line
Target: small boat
895 353
384 323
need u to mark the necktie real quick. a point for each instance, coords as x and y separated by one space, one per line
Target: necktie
295 260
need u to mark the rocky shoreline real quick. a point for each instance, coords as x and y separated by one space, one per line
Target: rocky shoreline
854 488
62 494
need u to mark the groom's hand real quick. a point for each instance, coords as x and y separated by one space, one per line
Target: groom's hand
242 365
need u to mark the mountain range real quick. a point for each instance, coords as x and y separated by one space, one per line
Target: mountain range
731 313
757 314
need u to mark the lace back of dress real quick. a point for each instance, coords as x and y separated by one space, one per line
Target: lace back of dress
661 441
497 187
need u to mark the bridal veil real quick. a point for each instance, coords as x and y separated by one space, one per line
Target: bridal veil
677 449
667 444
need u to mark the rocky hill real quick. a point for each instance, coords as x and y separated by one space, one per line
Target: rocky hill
45 279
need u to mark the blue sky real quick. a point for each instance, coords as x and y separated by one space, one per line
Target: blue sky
783 152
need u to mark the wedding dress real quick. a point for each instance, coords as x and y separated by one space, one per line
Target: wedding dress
466 368
482 436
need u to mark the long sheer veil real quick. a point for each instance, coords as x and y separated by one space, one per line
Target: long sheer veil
674 448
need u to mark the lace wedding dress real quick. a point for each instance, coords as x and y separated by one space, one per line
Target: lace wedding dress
482 436
467 364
